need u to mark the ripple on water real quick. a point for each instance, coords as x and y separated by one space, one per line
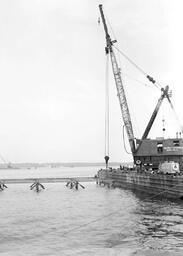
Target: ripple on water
94 221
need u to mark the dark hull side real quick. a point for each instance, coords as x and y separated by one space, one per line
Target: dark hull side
168 186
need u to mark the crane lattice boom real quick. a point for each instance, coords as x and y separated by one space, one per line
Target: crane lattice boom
119 85
122 100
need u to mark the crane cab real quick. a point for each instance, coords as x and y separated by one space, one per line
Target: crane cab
153 152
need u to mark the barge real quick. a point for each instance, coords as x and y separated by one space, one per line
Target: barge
157 163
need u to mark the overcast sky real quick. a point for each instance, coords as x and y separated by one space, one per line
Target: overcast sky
52 80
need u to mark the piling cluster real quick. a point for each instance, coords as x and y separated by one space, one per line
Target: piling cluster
37 185
74 184
2 186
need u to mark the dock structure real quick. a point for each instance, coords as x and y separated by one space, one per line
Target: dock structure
47 180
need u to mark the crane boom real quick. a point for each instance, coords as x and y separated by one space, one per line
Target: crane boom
119 85
151 121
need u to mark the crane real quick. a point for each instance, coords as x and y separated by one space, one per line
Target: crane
119 85
145 151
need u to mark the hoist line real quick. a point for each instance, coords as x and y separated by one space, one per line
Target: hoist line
107 106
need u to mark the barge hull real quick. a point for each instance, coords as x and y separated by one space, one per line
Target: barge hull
161 185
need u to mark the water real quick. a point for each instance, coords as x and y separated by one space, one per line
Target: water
91 221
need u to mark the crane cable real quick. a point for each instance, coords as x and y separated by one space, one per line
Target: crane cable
135 80
155 83
175 114
150 78
107 106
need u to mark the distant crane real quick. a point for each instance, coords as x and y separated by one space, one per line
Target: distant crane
8 164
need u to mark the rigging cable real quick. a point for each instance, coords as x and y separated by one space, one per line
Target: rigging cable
136 80
115 212
175 114
155 83
151 79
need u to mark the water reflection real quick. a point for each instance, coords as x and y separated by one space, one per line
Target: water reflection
160 224
145 224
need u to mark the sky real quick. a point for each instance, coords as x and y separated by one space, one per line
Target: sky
52 62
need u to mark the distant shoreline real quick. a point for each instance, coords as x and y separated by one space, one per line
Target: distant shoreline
56 165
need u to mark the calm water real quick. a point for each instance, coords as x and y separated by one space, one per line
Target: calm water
91 221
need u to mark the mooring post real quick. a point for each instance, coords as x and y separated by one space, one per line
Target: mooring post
2 186
77 184
71 184
96 179
68 183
